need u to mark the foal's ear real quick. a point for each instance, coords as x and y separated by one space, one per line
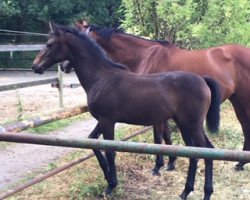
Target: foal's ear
53 28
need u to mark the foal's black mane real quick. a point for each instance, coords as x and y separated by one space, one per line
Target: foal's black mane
106 33
92 46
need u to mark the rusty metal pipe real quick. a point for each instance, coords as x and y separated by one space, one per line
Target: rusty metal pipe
37 121
133 147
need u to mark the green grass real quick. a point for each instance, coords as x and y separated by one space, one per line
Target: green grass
58 125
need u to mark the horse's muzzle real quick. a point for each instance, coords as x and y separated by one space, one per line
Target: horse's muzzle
37 69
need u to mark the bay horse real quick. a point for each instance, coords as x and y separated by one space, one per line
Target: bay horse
115 94
229 65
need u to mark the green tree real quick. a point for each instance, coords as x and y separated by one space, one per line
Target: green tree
190 23
34 15
225 21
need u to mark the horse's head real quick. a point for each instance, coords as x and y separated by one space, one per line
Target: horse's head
85 27
53 52
66 66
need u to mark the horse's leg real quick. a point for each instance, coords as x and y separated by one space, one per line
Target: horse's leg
208 188
159 162
101 159
167 139
108 134
200 139
189 186
242 109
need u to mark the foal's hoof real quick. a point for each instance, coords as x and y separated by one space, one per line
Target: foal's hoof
156 172
239 167
170 167
207 197
108 191
183 195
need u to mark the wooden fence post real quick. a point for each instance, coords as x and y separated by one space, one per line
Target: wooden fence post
60 86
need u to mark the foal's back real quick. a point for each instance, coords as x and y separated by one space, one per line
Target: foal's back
150 99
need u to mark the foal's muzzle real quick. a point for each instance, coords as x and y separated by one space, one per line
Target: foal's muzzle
37 69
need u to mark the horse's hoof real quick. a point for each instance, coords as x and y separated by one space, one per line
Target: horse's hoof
183 196
104 196
108 191
239 167
207 198
156 172
170 168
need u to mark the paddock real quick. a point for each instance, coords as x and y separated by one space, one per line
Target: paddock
80 160
57 105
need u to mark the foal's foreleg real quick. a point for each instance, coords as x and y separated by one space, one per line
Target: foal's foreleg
101 159
167 139
159 162
108 134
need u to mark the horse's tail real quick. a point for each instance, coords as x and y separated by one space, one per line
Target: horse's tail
213 115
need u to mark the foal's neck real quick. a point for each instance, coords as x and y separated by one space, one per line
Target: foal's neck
87 63
90 63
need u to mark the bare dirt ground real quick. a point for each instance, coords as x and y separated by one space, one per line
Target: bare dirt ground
38 99
16 161
20 160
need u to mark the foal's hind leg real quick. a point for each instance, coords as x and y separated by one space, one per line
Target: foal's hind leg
242 109
197 137
189 186
208 174
159 162
167 139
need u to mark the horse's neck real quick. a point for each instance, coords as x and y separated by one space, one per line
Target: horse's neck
88 67
125 49
88 74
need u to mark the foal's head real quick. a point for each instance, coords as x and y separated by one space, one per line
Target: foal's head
53 52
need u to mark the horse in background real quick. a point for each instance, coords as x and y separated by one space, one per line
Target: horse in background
115 94
229 65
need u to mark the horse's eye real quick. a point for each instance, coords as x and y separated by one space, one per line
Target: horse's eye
49 45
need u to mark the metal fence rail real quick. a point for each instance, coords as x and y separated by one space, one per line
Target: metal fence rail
62 168
134 147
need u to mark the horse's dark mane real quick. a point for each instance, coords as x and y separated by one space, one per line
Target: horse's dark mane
106 33
92 46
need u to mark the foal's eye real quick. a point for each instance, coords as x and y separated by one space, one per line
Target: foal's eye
49 45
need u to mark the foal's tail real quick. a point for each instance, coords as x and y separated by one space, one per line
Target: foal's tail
213 115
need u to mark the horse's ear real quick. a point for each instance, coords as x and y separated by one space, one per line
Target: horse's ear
53 28
85 23
82 25
78 25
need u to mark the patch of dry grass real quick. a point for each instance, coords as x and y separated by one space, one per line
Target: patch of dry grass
85 181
